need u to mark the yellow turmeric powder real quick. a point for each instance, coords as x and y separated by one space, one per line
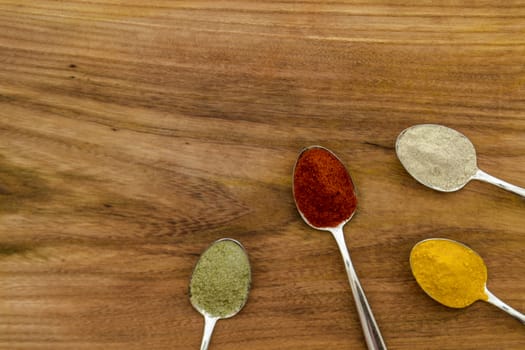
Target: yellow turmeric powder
449 272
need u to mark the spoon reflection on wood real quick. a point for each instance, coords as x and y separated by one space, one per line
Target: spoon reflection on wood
325 198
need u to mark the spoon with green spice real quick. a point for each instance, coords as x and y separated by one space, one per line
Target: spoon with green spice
443 159
220 283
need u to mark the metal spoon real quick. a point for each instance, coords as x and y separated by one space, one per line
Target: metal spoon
427 159
421 262
232 270
371 331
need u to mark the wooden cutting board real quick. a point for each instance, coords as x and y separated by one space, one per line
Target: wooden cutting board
133 134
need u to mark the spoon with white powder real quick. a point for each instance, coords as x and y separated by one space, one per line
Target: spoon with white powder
443 159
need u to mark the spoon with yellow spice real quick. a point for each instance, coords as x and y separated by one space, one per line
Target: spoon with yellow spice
453 274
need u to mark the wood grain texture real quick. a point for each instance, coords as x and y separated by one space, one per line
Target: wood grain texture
133 134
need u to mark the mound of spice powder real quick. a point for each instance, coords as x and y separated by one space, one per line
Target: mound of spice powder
323 190
221 280
437 156
449 272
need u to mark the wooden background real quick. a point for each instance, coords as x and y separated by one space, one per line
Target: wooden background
135 133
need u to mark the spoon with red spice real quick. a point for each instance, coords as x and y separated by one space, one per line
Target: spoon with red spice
326 200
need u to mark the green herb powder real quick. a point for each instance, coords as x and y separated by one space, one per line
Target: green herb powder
221 279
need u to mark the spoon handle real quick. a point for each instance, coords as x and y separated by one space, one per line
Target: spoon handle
494 300
483 176
209 324
371 331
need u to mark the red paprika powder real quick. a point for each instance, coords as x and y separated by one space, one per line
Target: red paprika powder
322 187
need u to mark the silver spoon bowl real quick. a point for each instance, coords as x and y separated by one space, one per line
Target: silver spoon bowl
428 159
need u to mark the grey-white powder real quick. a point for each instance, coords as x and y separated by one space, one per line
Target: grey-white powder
437 156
